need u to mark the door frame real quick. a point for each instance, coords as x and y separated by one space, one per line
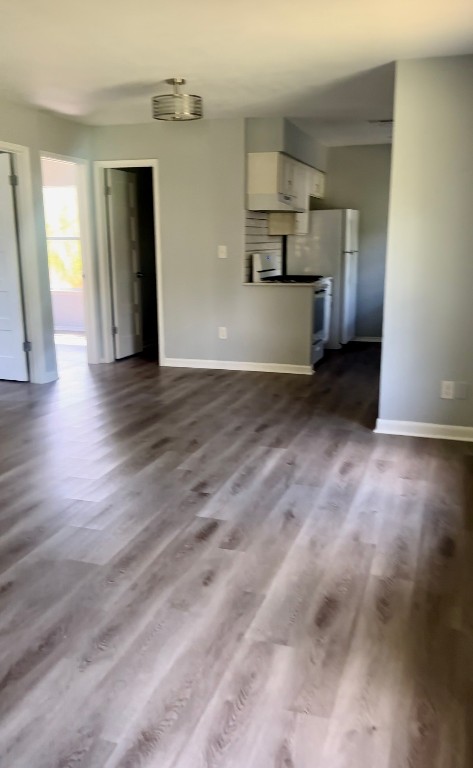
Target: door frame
90 290
100 166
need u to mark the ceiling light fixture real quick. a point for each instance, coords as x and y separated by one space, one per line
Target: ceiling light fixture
177 105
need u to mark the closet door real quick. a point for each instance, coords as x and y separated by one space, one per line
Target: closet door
13 361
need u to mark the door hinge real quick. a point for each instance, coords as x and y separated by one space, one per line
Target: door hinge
27 346
108 190
13 180
114 330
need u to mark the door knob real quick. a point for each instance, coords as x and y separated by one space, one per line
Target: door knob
139 274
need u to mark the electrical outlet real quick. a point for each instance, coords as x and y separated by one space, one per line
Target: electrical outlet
447 390
222 332
222 251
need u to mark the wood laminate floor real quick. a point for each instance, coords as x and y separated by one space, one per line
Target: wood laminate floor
230 570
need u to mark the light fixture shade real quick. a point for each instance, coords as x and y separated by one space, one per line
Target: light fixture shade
177 105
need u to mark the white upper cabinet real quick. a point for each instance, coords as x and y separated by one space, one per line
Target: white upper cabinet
286 172
317 183
272 182
277 182
302 179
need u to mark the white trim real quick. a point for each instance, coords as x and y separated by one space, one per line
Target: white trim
102 252
90 290
421 429
373 339
229 365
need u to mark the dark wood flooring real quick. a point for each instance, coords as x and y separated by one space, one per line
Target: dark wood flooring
230 570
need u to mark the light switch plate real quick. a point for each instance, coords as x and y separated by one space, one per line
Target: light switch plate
447 390
222 251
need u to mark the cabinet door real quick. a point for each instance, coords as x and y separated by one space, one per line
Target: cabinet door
301 223
262 172
281 223
286 175
290 223
302 180
317 183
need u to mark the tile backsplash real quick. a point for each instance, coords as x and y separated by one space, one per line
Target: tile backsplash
257 239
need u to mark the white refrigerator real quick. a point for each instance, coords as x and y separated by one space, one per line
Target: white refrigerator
330 249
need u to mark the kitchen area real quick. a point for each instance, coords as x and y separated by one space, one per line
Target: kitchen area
291 241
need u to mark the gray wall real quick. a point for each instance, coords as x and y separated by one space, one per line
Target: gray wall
278 134
68 310
201 188
358 177
428 320
304 147
264 134
40 132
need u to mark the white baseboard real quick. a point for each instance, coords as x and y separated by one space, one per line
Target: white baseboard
46 377
374 339
228 365
421 429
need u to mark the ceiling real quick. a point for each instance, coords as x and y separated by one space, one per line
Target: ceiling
328 63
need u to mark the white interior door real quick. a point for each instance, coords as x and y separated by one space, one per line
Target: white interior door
13 362
350 280
124 262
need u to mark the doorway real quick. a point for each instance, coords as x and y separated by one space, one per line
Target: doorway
64 240
147 252
129 257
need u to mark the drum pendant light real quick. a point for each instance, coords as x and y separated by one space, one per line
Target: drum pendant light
177 105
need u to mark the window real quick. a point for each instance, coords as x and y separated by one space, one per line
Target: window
61 210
